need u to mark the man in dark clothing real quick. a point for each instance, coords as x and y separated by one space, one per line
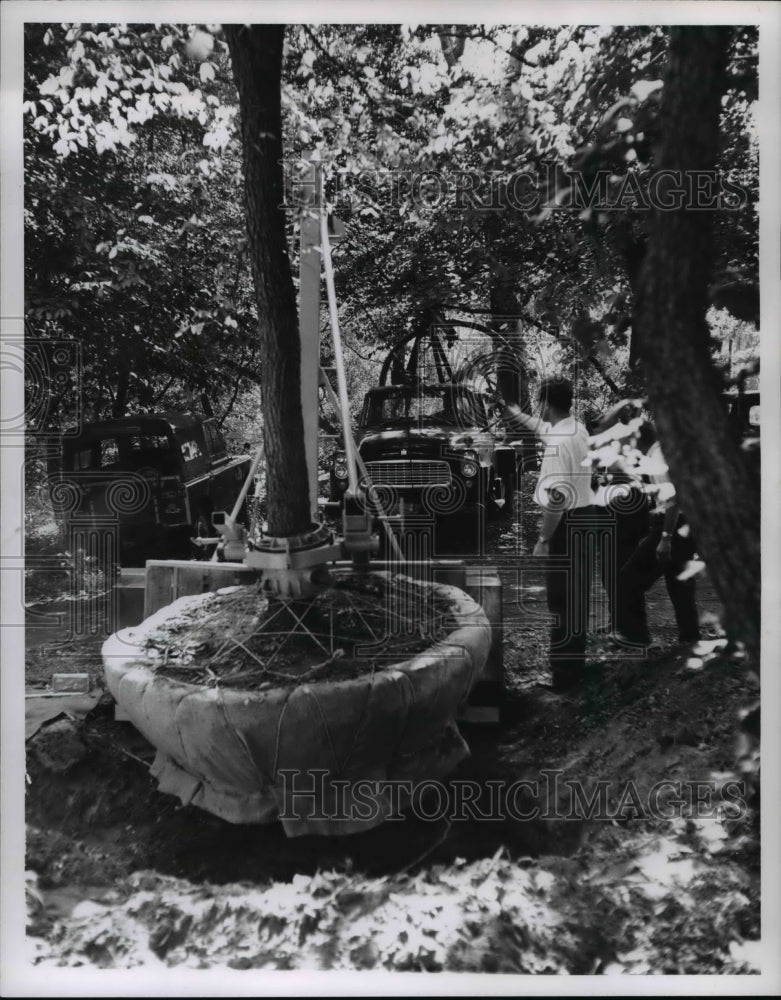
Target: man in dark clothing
622 509
664 551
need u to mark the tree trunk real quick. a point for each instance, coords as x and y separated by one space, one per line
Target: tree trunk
717 488
505 301
256 54
512 377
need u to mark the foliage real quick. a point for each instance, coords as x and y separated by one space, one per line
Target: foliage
135 236
135 242
658 908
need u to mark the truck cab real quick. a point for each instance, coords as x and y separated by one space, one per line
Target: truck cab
429 449
156 477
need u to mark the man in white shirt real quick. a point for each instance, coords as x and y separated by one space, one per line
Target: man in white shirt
568 524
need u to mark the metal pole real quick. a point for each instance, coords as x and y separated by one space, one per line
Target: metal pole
309 317
364 471
341 378
245 488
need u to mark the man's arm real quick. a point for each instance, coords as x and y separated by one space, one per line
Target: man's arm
550 521
516 419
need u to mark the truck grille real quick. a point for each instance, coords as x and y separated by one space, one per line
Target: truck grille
408 473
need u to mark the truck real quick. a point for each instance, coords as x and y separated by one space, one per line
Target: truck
433 450
156 477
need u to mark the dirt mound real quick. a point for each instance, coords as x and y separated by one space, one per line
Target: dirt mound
651 909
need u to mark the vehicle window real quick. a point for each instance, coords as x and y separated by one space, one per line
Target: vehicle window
431 406
434 406
147 451
147 442
471 409
190 451
214 439
409 407
124 451
83 459
109 452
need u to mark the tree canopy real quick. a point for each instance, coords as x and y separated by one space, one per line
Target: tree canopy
458 156
532 181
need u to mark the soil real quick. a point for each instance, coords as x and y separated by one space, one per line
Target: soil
322 639
121 875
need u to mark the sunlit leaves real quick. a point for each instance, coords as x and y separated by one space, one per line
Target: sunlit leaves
642 89
117 252
199 46
148 79
155 106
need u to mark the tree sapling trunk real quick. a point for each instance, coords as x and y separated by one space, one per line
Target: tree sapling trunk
256 54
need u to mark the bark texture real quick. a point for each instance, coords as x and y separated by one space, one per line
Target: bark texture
717 486
507 298
256 55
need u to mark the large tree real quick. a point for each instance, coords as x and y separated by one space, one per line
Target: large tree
256 54
717 486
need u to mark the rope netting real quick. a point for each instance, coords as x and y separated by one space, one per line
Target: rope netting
244 639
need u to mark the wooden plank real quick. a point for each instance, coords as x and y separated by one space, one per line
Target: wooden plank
483 584
159 587
128 598
167 580
188 580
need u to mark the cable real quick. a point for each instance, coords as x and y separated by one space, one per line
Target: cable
341 378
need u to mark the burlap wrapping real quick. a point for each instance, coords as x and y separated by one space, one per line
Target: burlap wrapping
255 757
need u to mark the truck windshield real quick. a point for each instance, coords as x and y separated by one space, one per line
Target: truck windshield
130 450
429 406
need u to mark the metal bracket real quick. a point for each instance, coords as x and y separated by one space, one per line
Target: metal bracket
295 566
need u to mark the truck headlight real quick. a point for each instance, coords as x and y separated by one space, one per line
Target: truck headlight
469 464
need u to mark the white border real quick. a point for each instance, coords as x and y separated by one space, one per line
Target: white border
18 979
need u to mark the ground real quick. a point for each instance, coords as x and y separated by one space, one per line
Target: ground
121 875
